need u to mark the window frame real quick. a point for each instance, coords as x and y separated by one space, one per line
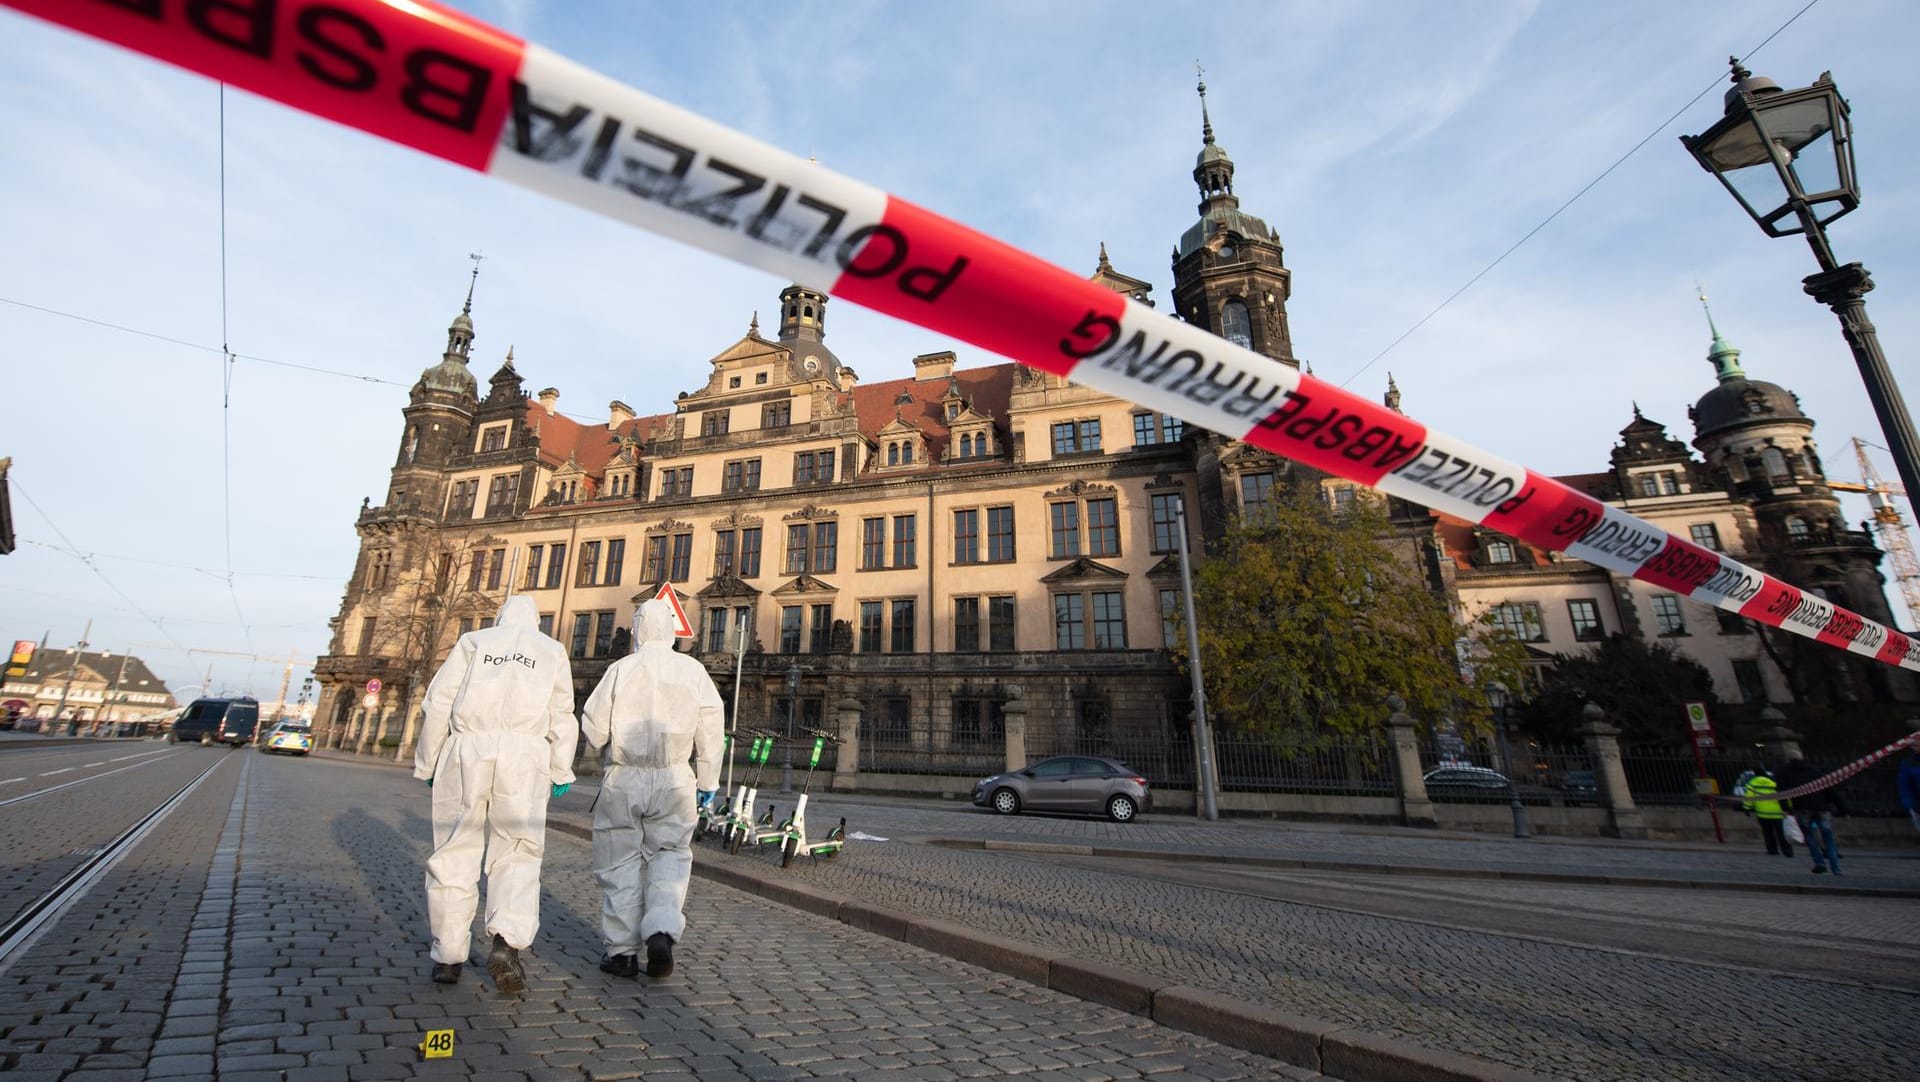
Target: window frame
1595 629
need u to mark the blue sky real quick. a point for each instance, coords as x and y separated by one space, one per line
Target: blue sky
1398 147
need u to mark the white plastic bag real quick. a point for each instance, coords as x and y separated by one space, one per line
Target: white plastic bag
1791 826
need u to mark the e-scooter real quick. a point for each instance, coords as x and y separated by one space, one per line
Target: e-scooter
739 803
709 813
794 830
742 826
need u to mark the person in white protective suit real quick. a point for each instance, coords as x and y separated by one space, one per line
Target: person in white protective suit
659 709
496 743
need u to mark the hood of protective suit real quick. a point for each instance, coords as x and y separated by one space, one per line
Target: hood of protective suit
653 625
520 611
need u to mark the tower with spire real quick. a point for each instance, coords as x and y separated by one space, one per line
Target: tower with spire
439 417
1229 272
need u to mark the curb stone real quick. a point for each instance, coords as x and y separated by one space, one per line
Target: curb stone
1347 1054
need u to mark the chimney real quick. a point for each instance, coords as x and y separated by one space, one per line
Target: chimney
622 413
548 398
933 365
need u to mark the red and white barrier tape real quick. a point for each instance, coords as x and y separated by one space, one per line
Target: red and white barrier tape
444 83
1828 781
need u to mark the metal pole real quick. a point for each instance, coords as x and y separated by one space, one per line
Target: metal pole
119 678
1205 783
68 687
733 725
1520 827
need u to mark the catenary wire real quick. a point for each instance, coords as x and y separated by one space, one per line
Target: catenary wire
92 566
178 567
1589 186
226 388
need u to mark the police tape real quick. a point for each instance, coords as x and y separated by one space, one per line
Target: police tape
444 83
1828 781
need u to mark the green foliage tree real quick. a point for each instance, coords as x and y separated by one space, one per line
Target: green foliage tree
1309 618
1644 687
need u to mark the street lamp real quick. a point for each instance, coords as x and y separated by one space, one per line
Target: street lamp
793 707
1497 699
1787 156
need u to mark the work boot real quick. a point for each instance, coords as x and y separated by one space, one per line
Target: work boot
503 963
659 954
446 972
621 965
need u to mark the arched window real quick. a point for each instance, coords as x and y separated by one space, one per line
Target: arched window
893 454
1235 327
1776 462
906 452
1796 528
809 311
413 443
792 310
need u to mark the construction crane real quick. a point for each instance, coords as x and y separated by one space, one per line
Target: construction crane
1891 527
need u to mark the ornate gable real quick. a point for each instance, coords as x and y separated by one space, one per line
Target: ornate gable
1084 570
805 584
728 585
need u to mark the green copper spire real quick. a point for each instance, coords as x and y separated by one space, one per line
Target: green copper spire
1725 358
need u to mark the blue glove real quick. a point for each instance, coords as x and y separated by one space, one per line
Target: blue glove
560 789
702 797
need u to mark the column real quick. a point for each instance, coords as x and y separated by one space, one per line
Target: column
1782 743
1603 748
1415 809
846 758
1014 710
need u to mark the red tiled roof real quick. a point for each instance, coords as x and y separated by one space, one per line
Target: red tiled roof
1456 538
988 389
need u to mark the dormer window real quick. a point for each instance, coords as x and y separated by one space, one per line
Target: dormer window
1499 551
953 410
493 438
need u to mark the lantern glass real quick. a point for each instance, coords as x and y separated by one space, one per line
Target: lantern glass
1781 151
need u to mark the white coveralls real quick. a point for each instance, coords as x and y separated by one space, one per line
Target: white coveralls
497 734
660 709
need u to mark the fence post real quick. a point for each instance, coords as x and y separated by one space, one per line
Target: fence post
1782 743
846 758
1415 809
1014 710
1603 747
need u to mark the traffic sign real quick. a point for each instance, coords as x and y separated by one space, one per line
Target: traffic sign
682 629
373 686
1697 718
372 700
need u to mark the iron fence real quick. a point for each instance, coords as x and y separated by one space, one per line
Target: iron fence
1664 775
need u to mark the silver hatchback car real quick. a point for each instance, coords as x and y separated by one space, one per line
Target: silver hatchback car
1068 783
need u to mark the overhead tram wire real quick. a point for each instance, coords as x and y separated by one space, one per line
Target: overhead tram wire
226 386
95 568
179 567
1590 185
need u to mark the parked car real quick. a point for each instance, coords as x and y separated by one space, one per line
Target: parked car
1466 781
1579 787
291 737
1069 783
216 721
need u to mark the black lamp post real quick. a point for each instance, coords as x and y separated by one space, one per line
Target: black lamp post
1497 699
1787 156
793 707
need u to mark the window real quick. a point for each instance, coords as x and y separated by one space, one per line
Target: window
750 553
1256 495
1103 528
1172 429
1235 327
722 553
893 454
466 626
716 619
1797 528
1775 462
873 544
812 548
1166 521
713 423
582 634
676 481
1169 618
654 567
1344 497
1667 615
903 541
1145 431
1521 619
546 624
1585 614
1069 622
682 567
812 467
790 629
556 565
978 721
496 568
1706 535
502 490
826 546
1066 529
1000 624
616 561
367 626
476 568
1499 550
966 624
759 379
1669 483
460 504
902 626
589 564
906 453
1746 673
777 414
870 629
603 625
741 475
966 536
733 383
1732 623
1075 437
820 630
377 564
493 438
999 535
533 566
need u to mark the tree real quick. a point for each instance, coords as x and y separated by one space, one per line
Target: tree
1309 617
1643 686
444 597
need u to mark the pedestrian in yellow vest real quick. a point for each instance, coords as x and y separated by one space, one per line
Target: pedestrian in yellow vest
1760 804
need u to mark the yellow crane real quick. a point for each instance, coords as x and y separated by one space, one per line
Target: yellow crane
1891 527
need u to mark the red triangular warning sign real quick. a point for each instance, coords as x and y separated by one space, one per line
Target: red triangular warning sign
681 628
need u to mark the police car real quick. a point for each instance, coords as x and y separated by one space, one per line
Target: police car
291 737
